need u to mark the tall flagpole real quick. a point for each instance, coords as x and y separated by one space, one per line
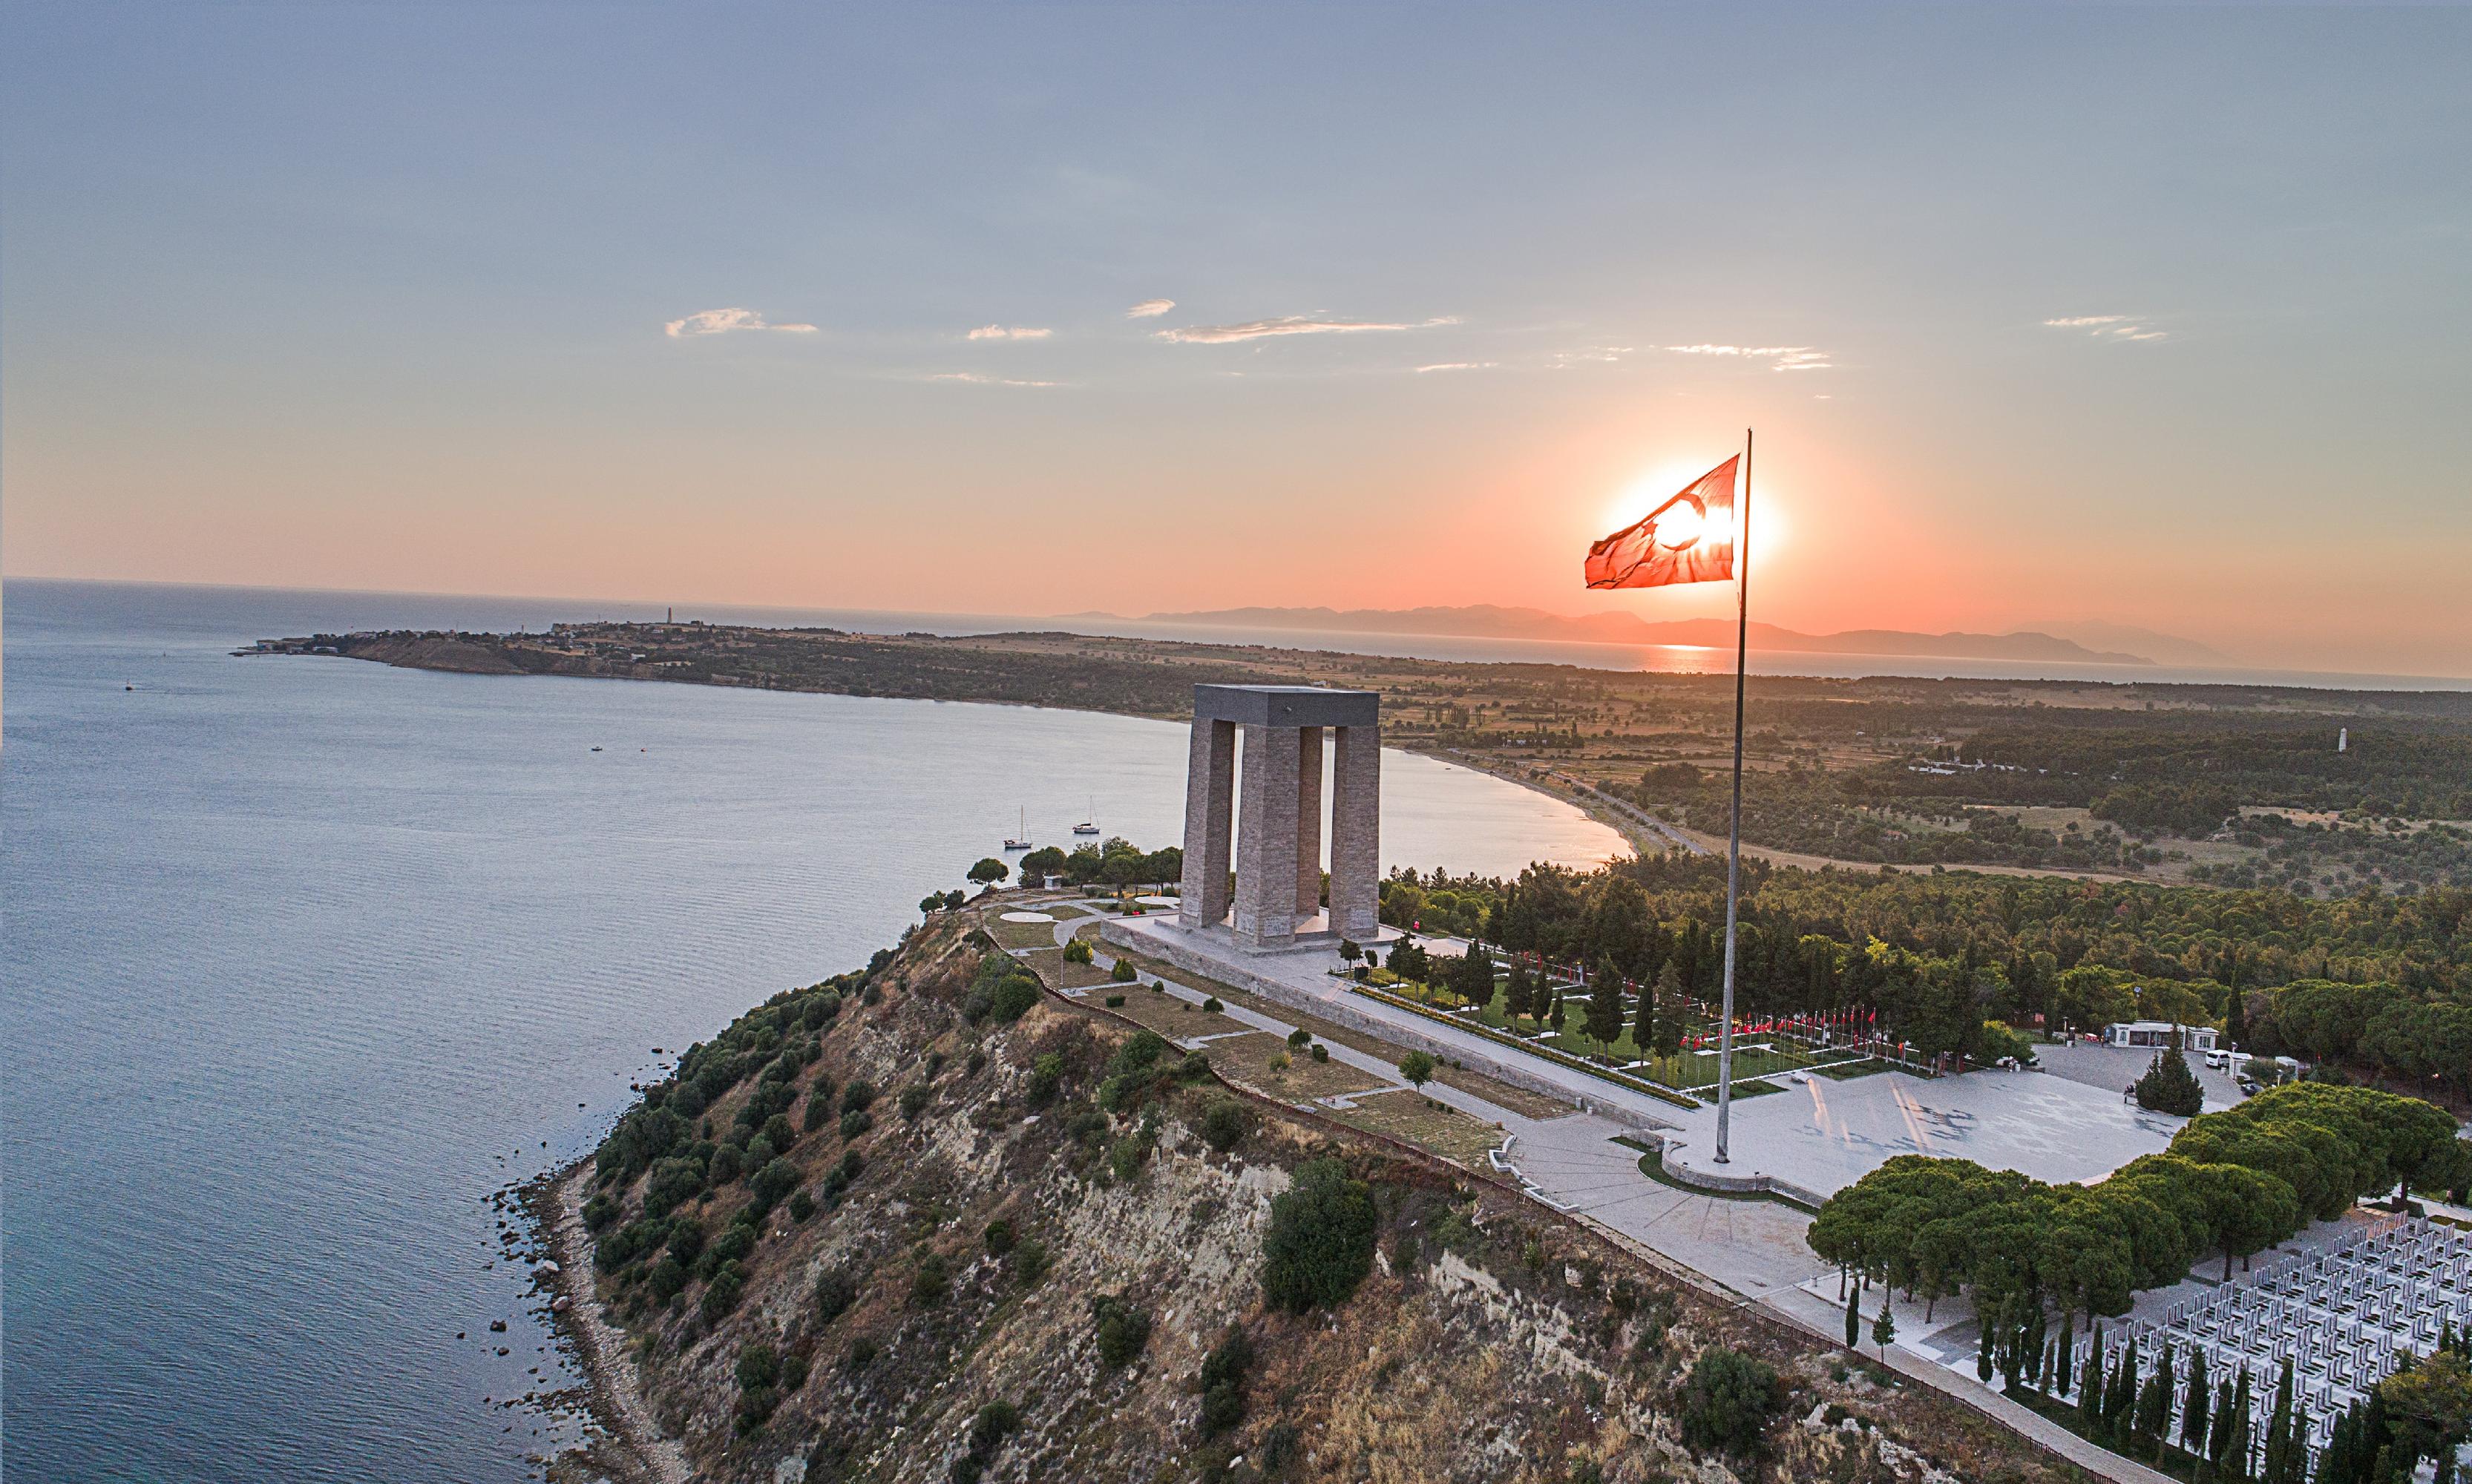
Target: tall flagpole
1734 845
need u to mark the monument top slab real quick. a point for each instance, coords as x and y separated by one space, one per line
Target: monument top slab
1285 705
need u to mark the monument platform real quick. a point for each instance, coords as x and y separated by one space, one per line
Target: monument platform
1300 978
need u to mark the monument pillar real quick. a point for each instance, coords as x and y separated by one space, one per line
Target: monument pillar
1278 847
1356 835
1308 822
1265 845
1209 802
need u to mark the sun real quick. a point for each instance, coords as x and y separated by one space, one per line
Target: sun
1681 526
1770 511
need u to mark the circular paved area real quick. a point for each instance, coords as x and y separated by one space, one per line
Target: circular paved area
1030 918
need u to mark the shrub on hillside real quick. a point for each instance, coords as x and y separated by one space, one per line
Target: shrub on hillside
1222 1382
1730 1403
1224 1123
1320 1242
834 1293
1122 1330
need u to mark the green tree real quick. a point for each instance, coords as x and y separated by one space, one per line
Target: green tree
1603 1022
988 871
1320 1245
2168 1085
1853 1317
1417 1067
1884 1327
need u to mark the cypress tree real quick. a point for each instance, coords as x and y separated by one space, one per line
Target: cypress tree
1983 1348
1643 1027
2234 1448
2220 1431
1514 995
2120 1407
2091 1382
2278 1432
2155 1406
1853 1319
2193 1407
1603 1022
2067 1358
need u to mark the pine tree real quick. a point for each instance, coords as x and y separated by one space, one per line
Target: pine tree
1884 1327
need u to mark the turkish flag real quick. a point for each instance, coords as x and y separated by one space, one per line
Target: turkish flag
1689 538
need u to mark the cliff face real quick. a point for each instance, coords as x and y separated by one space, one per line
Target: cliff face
1018 1241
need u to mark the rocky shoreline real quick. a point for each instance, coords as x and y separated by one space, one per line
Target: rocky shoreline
625 1441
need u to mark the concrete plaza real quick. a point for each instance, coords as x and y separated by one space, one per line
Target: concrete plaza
1821 1135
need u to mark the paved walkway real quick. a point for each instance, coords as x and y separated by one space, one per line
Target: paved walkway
1743 1251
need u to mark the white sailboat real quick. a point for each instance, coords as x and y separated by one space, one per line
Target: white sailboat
1090 825
1020 839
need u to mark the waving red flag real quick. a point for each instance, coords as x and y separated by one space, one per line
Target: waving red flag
1689 538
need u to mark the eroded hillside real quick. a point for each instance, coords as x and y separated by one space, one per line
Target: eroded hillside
925 1222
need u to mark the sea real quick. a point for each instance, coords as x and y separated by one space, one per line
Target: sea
305 961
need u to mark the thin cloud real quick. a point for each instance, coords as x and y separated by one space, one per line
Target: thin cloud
1459 366
1564 360
1287 324
1786 358
1150 309
974 379
721 321
1009 332
2123 327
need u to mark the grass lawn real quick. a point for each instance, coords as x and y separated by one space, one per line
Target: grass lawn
1060 973
1164 1013
1518 1100
1844 1072
1413 1116
1653 1167
1021 935
1686 1073
1246 1060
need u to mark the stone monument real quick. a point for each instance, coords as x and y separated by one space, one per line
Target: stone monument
1277 897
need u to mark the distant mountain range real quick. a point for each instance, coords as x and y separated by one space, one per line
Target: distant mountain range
1493 622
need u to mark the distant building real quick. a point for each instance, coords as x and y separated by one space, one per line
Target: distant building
2158 1034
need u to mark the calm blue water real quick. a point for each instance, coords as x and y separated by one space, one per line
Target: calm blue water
306 959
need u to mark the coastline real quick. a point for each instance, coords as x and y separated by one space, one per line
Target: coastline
626 1441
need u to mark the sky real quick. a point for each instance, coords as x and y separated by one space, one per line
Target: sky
2152 317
